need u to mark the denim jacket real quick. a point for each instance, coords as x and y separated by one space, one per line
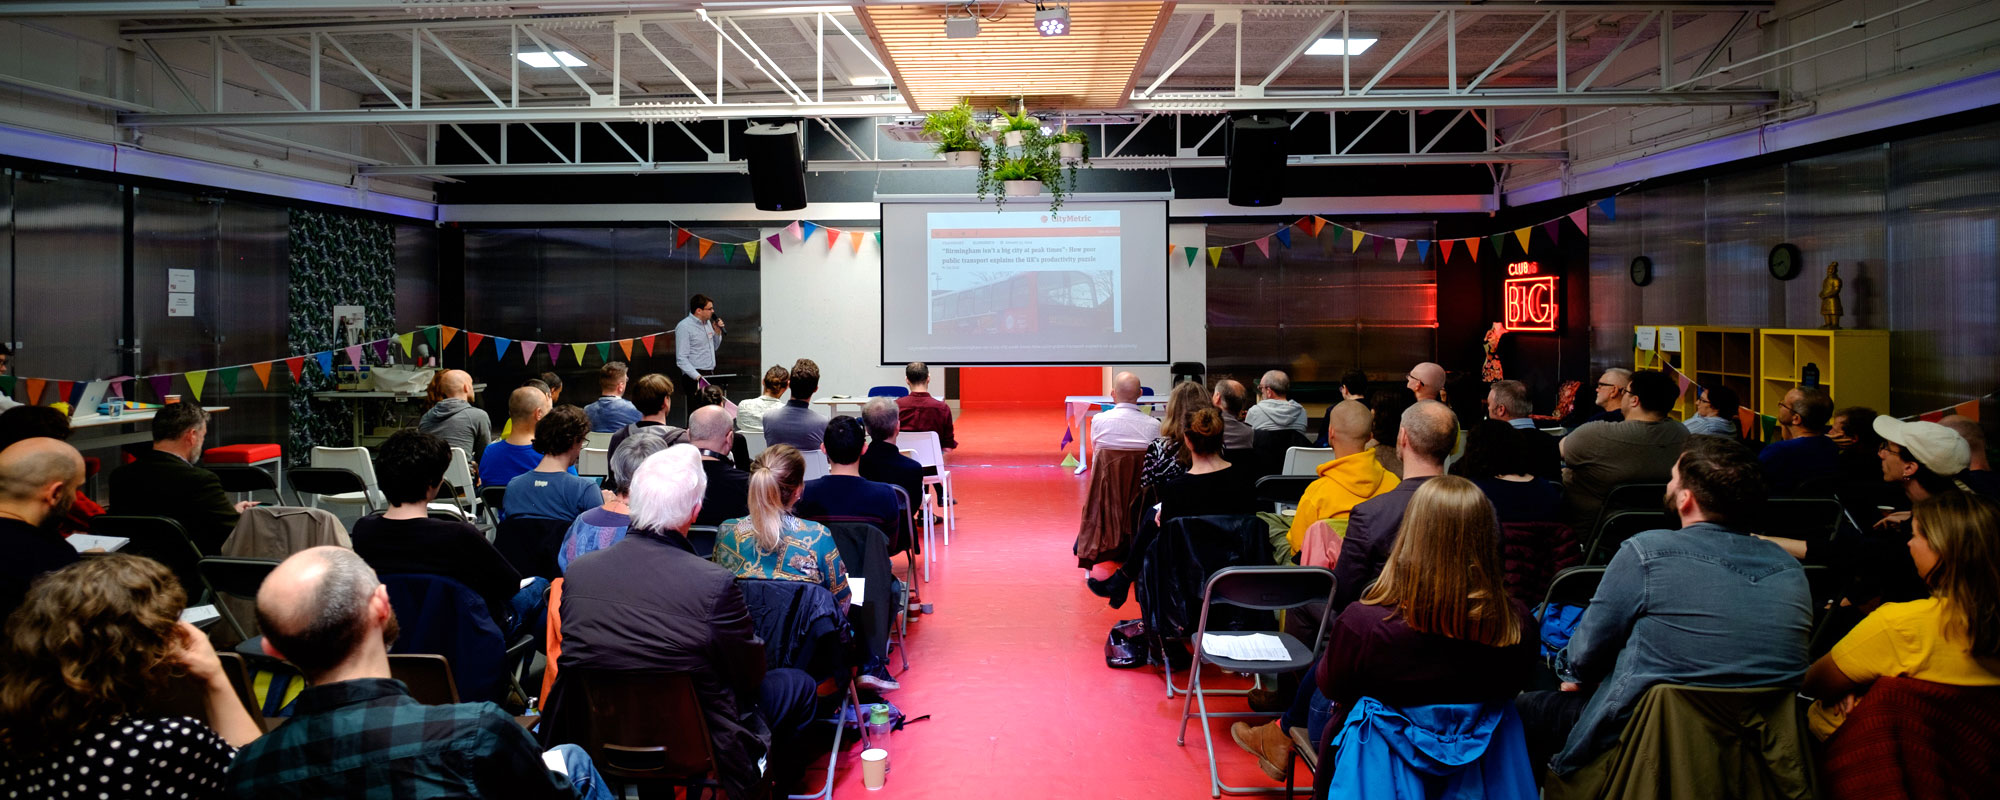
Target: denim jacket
1701 606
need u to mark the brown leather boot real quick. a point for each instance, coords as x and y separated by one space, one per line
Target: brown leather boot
1269 743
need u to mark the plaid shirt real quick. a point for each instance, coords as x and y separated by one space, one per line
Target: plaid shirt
368 738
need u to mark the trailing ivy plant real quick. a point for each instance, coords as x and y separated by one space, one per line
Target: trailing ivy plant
1073 136
954 129
1034 160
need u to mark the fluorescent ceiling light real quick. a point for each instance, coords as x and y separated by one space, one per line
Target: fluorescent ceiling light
871 80
1353 45
541 60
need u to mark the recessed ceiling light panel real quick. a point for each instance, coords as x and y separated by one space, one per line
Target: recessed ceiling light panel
1354 45
559 58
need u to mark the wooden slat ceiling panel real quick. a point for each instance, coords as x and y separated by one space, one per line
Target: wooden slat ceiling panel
1092 68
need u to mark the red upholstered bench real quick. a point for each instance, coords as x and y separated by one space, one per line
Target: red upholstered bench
251 455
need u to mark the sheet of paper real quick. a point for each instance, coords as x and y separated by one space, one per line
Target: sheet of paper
526 581
1251 647
84 541
1648 336
555 762
195 615
859 588
1670 340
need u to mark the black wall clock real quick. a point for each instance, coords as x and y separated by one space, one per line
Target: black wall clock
1642 271
1785 261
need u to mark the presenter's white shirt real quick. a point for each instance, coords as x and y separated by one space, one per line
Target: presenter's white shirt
1124 427
695 343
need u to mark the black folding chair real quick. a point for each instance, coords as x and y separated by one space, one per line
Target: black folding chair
1573 587
1269 589
1812 519
236 579
491 500
161 539
327 481
1626 497
1622 525
427 675
1283 490
702 539
645 727
242 481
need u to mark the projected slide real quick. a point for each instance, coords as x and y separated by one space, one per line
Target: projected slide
1085 284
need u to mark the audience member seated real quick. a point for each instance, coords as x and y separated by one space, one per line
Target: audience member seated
1715 413
1234 402
1610 403
1706 605
553 490
1275 410
164 482
1508 402
1978 472
1425 438
39 478
727 496
1388 404
773 543
795 423
515 454
1426 381
405 540
1496 460
1951 637
1353 386
750 413
611 412
1639 448
1125 426
843 492
653 398
883 461
603 526
919 411
1211 485
649 604
355 730
554 384
1805 454
1119 439
1437 628
89 649
454 418
738 450
1352 477
29 422
1167 457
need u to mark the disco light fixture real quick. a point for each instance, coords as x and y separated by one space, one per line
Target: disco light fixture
1052 21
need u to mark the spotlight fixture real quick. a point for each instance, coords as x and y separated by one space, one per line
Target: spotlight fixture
965 27
1052 21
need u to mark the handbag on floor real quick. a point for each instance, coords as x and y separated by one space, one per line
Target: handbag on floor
1121 648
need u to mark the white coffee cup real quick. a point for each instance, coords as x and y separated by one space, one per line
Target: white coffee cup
874 767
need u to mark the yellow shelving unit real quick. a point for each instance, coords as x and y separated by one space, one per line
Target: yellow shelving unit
1853 366
1710 356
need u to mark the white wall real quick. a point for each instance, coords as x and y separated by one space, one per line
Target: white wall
826 305
1187 311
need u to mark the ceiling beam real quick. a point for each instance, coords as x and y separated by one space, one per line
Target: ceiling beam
897 165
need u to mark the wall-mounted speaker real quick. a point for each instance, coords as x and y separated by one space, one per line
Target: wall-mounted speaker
777 172
1257 159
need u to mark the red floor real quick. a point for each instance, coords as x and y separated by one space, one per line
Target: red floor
1010 667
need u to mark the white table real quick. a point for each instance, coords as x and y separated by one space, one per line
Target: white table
1078 409
834 403
103 430
400 397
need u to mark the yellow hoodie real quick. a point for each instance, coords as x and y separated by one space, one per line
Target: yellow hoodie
1343 483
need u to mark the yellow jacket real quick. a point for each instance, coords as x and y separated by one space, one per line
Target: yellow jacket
1343 483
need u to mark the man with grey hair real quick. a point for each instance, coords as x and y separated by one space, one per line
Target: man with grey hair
1427 435
603 526
1234 402
1609 405
728 495
1508 402
356 730
38 482
1276 411
164 481
649 604
883 462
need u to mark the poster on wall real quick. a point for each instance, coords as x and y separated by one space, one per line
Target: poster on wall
350 325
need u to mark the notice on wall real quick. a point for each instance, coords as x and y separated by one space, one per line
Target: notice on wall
1649 337
180 304
180 280
1670 340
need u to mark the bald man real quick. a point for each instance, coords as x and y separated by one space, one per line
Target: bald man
38 481
1234 401
1427 380
509 457
712 429
1126 426
455 419
1354 475
360 730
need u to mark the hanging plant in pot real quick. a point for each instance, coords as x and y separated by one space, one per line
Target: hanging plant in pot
1013 129
1072 144
956 134
1032 171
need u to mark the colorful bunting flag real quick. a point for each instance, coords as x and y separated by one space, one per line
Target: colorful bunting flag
1500 245
1400 244
1581 219
603 352
1423 251
1472 248
1357 241
117 388
1214 257
1444 250
472 341
263 371
555 354
750 252
406 340
793 229
160 384
878 238
7 385
1192 254
325 360
728 252
1968 409
35 390
382 350
804 230
1236 252
1554 227
832 240
1610 206
1318 225
196 378
528 351
625 345
681 238
353 356
577 348
445 340
225 379
648 339
1264 246
1523 234
75 392
855 237
775 243
1285 237
1378 245
297 366
703 246
500 346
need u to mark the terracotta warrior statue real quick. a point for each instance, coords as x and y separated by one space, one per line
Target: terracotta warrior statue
1829 298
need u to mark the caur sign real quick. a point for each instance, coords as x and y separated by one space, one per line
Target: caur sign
1531 297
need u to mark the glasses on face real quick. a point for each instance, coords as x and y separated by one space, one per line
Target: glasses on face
1788 409
1612 386
1890 448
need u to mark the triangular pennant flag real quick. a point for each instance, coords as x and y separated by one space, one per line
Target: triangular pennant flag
776 244
1423 251
1215 256
225 379
1236 252
382 350
445 336
160 384
528 351
1968 409
1444 250
353 355
1554 227
1932 416
1264 246
1192 254
7 386
855 238
297 366
472 341
878 238
648 339
62 393
1499 245
263 371
750 252
626 346
1285 237
1581 219
832 240
1357 240
406 340
803 230
578 349
325 360
1610 206
1472 247
35 389
500 346
728 252
1400 244
1318 225
555 354
1523 234
72 391
703 245
603 352
681 238
1378 245
117 388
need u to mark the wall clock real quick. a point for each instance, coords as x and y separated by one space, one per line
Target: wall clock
1785 261
1642 271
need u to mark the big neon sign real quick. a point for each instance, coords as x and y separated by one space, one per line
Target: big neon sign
1531 297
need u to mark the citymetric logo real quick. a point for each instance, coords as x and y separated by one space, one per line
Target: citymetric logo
1065 217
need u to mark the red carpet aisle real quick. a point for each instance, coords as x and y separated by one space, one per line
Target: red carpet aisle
1011 665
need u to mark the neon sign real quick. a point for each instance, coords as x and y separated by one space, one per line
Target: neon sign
1531 298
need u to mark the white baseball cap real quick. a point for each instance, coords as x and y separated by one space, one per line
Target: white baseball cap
1938 447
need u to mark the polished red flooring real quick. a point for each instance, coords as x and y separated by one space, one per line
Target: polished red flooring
1010 667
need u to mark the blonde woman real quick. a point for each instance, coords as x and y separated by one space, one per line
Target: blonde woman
771 543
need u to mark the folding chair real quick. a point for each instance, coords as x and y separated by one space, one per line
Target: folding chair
816 466
1626 497
595 462
1269 589
188 697
334 485
600 441
427 675
1283 491
928 540
357 461
491 500
1621 525
238 577
645 727
1572 587
458 477
930 454
244 480
702 539
161 539
1813 519
1306 460
753 442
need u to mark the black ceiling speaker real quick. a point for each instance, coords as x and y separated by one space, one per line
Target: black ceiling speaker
777 173
1257 159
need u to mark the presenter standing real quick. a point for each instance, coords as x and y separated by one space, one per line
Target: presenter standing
696 339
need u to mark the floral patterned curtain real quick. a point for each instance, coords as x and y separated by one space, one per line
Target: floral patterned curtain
336 260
